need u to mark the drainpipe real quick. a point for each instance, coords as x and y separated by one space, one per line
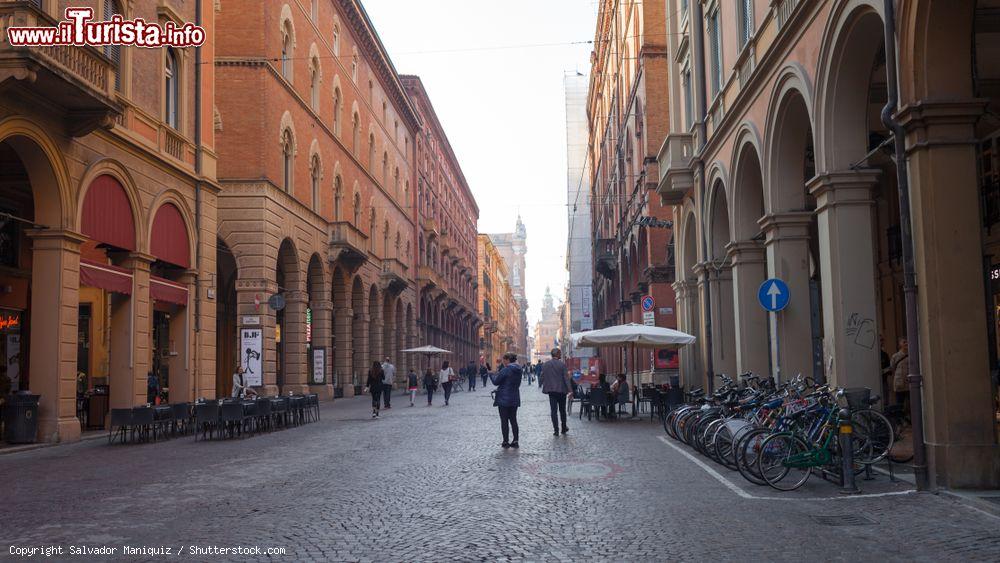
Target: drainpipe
197 202
698 48
906 232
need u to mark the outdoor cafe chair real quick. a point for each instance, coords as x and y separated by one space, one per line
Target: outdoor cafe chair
279 411
143 423
121 424
263 414
181 417
598 400
231 418
206 419
647 397
312 407
250 417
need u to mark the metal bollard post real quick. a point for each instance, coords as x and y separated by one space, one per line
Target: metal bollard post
848 484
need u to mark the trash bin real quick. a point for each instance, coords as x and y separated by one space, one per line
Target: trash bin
20 417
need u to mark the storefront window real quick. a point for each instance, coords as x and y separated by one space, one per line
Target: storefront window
11 352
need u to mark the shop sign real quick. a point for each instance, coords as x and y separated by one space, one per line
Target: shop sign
251 346
309 326
251 321
995 278
319 365
9 321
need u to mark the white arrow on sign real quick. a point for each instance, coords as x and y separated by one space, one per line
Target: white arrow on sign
774 292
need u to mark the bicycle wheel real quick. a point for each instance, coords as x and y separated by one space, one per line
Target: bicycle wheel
773 462
746 452
873 436
723 442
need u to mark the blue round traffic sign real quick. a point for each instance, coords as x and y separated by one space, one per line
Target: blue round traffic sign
773 295
647 303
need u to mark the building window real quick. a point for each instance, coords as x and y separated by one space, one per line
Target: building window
357 209
286 161
395 131
114 52
286 52
337 197
395 181
371 228
684 7
356 133
314 84
315 175
385 168
746 21
314 9
688 99
371 152
336 39
336 111
385 112
354 68
171 90
385 240
715 46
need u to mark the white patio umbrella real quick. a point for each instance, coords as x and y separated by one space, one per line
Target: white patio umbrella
427 350
634 336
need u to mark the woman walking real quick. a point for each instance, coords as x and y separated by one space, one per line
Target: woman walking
430 383
374 383
412 385
445 376
508 398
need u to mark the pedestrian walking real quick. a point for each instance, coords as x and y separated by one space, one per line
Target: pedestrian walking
445 376
538 373
508 398
388 376
375 385
412 384
152 388
484 372
470 373
557 385
430 383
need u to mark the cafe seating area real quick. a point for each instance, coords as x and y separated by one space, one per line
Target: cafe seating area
656 400
212 419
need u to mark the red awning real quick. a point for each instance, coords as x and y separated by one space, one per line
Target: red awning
105 276
169 239
167 291
107 214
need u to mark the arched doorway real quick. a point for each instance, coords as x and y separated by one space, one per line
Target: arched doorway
37 323
792 239
359 335
287 280
749 264
317 328
686 289
226 331
718 269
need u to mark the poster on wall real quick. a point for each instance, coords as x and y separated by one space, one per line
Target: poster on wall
319 365
13 360
251 345
587 321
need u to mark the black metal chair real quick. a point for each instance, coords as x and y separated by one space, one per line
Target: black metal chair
121 424
312 407
647 397
181 419
143 423
250 417
231 418
597 403
206 419
279 411
263 414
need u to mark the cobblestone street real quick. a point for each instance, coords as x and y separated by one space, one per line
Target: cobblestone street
432 484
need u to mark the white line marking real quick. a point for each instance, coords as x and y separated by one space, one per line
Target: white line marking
739 490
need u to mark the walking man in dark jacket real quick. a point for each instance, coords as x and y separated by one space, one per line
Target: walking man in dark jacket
508 398
557 385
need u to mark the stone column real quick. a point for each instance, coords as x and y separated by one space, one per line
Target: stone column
251 298
723 320
701 294
142 328
947 238
847 240
360 348
343 318
294 339
322 320
689 321
183 341
55 294
787 245
749 271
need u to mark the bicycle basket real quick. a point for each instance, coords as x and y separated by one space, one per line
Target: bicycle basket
857 398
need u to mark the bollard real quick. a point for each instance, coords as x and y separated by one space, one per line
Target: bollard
848 484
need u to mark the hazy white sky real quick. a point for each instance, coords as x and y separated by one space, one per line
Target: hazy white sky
494 72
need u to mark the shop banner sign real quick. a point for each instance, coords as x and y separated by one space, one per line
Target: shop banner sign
13 361
319 365
251 346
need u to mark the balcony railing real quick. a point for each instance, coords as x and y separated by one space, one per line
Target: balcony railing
430 226
606 260
348 243
80 80
784 10
394 275
674 162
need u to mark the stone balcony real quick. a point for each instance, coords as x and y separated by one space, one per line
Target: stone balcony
79 81
606 261
428 278
674 162
348 244
430 227
394 279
